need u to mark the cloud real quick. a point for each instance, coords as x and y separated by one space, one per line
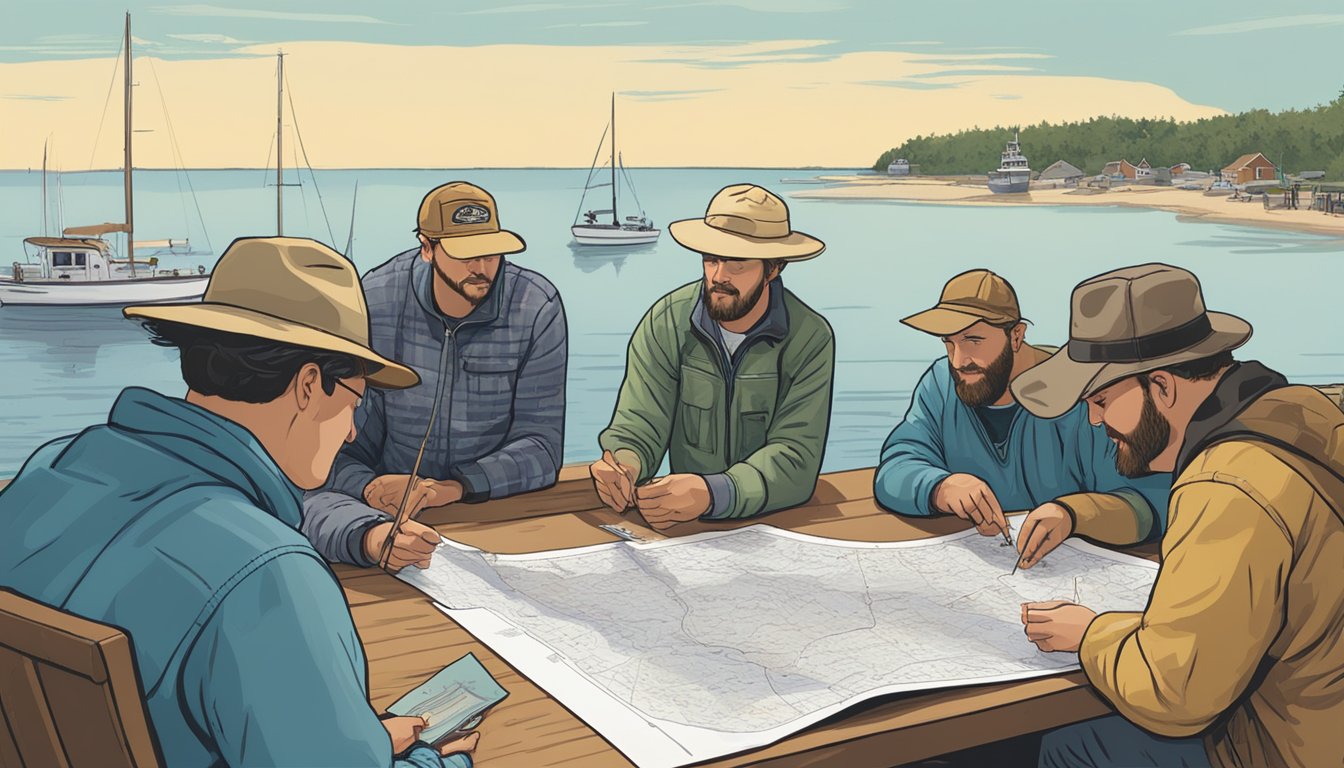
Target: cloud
248 13
666 95
34 97
1275 22
536 8
914 85
598 24
209 38
765 6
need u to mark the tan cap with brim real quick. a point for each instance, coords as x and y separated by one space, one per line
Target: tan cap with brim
1123 323
465 220
289 290
967 299
744 221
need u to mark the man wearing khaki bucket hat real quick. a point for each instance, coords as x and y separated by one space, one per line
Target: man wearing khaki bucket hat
488 338
729 376
966 448
177 520
1236 659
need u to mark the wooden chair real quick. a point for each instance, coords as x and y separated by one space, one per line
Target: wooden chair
69 692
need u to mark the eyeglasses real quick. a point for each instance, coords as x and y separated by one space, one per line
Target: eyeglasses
359 398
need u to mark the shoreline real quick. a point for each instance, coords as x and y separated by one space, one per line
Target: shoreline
1188 205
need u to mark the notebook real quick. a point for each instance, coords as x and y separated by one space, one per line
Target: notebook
455 699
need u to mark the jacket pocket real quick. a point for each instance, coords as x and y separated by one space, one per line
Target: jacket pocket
698 393
752 429
490 375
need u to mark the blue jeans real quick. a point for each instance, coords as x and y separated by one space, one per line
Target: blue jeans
1114 742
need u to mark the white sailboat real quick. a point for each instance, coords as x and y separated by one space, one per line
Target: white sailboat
632 230
79 268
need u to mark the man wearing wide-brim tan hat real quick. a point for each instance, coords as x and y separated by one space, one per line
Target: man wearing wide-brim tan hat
729 376
1236 660
177 520
489 339
966 447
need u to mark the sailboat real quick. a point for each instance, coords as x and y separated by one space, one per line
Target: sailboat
632 230
79 268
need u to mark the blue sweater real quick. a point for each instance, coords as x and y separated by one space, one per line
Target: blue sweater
1065 460
175 525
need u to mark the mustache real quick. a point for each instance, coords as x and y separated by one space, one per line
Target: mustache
1122 437
972 368
476 279
725 289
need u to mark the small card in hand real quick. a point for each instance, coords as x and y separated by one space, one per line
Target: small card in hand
459 694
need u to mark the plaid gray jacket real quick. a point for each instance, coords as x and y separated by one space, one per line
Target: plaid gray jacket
500 427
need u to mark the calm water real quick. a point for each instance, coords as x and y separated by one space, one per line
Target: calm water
62 368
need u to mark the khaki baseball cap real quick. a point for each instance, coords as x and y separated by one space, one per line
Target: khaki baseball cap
1123 323
967 299
291 290
464 219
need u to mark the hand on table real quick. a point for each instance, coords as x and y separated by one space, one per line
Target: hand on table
1056 625
1045 528
971 499
615 482
673 499
414 545
386 492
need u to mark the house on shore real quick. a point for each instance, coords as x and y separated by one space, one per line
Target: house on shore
1252 167
1062 173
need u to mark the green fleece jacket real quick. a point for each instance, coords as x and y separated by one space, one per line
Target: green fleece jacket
753 423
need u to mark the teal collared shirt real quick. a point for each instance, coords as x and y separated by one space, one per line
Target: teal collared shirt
175 525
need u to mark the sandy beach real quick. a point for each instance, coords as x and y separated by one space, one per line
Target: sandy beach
1189 205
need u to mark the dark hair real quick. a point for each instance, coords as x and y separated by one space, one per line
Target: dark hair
1007 327
243 368
1203 369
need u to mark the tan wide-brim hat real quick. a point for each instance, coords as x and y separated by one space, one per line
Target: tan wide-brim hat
465 220
1123 323
290 290
744 221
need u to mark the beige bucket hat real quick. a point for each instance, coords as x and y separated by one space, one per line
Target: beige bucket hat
1124 323
968 299
465 220
744 221
291 290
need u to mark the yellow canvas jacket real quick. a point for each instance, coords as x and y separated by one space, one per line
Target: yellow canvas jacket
1243 637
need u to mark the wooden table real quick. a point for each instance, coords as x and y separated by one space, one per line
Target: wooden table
407 640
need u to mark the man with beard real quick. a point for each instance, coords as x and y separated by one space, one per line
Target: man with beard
966 448
488 340
730 376
1236 660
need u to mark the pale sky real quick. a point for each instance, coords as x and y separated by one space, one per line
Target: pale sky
781 83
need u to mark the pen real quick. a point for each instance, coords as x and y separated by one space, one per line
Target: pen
386 554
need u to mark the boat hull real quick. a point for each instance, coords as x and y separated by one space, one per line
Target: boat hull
101 292
1008 182
587 235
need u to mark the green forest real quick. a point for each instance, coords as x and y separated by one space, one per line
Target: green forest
1295 140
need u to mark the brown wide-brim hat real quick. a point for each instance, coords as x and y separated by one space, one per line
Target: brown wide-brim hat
289 290
744 221
465 220
1124 323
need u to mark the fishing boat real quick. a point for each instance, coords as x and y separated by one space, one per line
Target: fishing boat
1013 174
79 268
594 230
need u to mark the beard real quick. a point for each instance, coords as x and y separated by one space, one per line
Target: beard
736 306
993 381
1135 451
461 287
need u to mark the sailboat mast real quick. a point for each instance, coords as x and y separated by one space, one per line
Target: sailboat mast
127 166
44 188
279 144
615 220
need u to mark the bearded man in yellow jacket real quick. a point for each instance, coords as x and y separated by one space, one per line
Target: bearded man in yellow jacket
1238 659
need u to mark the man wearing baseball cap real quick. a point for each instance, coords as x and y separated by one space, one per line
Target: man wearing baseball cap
489 341
967 448
1237 659
729 375
177 520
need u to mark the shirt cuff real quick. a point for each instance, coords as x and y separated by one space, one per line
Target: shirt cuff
354 543
722 496
475 484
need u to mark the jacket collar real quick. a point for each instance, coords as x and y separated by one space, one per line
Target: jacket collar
422 285
773 325
212 444
1242 385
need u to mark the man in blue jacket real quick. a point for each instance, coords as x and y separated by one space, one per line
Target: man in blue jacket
177 521
966 447
488 340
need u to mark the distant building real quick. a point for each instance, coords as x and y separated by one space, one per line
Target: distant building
1118 169
1179 169
1143 170
1311 175
1252 167
1062 172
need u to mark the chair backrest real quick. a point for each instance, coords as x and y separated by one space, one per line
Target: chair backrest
69 691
